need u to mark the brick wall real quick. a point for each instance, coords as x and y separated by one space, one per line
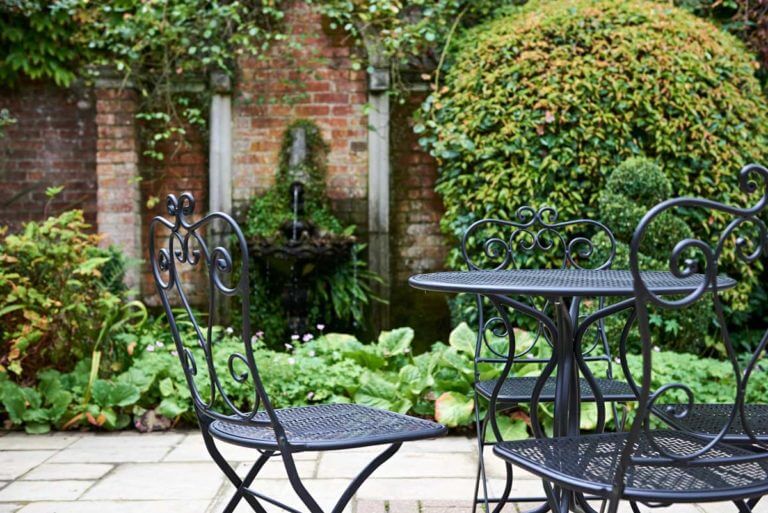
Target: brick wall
185 169
317 83
417 243
52 143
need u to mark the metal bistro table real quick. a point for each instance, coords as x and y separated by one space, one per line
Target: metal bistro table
564 289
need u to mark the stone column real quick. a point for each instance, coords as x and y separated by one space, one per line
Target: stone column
220 169
118 215
220 153
378 191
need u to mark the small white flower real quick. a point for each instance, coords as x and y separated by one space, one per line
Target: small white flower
310 395
307 337
289 347
259 334
159 344
150 348
291 361
657 349
407 350
229 330
312 353
617 360
175 353
294 337
321 327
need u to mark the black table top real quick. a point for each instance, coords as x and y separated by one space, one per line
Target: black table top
558 282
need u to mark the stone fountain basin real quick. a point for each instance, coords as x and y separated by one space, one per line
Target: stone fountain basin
284 255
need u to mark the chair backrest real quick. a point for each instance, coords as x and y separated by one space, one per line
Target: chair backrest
533 239
732 239
183 252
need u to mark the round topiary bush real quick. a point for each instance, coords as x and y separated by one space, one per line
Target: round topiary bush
630 191
539 106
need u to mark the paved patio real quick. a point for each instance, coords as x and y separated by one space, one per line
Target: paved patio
170 472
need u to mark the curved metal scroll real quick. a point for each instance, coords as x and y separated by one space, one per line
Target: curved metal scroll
184 249
535 231
532 232
748 248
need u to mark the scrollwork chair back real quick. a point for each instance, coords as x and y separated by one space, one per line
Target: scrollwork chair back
184 249
736 236
533 238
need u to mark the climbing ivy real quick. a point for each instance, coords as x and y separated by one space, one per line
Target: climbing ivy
164 48
406 34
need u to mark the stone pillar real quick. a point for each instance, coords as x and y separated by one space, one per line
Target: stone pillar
378 191
220 152
118 215
220 170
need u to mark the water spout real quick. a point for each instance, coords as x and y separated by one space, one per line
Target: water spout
296 191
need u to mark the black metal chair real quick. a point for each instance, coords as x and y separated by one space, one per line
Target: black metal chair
538 236
690 459
257 425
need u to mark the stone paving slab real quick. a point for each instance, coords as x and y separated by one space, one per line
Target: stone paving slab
24 442
17 463
171 472
146 481
156 506
56 471
63 490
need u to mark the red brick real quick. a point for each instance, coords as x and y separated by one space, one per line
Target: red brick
52 143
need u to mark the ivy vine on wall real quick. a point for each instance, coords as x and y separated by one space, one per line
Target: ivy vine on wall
163 48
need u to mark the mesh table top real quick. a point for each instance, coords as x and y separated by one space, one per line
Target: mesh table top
558 282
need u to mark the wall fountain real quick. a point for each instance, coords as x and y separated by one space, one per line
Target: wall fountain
308 247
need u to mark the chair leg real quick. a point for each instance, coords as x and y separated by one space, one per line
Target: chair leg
247 480
298 486
365 474
746 506
240 484
507 488
349 492
481 426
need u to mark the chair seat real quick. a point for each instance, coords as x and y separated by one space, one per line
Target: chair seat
588 464
327 427
520 390
709 419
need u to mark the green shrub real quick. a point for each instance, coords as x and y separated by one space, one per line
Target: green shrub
61 298
635 186
539 106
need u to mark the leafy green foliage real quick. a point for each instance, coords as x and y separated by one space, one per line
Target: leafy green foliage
747 20
711 380
330 369
635 186
41 40
164 48
59 301
630 191
403 34
5 120
539 105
